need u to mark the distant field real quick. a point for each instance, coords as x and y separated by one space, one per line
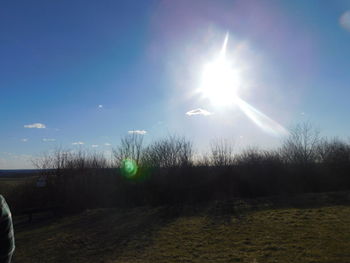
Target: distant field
307 228
8 183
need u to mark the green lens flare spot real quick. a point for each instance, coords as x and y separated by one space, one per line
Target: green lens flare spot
129 168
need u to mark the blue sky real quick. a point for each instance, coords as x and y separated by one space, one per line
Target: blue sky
91 71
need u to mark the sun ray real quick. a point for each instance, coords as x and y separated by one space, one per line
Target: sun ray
220 83
219 80
224 46
260 119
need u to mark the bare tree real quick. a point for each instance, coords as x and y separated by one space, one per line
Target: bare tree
255 156
131 146
301 145
57 160
221 153
333 152
169 152
251 155
202 160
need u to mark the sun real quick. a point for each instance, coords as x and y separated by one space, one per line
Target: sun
219 82
222 79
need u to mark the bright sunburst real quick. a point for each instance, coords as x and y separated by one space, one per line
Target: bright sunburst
219 80
220 83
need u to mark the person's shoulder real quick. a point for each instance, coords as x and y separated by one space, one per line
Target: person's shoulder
3 206
2 200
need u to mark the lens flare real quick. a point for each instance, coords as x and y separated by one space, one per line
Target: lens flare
129 168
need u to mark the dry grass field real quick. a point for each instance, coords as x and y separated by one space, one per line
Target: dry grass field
307 228
8 184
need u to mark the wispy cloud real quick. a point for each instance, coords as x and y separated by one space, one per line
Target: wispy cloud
100 106
141 132
94 146
24 140
78 143
344 20
48 140
35 125
198 111
107 144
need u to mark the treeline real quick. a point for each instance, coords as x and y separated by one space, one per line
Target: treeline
167 172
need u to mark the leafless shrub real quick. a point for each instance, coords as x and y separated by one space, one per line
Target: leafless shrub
221 153
54 162
60 159
172 151
74 179
131 146
302 144
251 156
254 156
202 160
333 152
169 172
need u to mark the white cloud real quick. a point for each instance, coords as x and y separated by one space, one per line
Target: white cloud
100 106
35 125
198 111
24 140
344 20
107 144
94 146
141 132
78 143
48 140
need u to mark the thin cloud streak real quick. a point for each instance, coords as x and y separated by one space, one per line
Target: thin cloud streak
78 143
198 111
141 132
35 126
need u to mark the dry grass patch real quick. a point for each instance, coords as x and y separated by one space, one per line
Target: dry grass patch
267 234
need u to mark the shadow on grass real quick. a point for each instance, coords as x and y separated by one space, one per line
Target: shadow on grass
223 211
92 236
102 234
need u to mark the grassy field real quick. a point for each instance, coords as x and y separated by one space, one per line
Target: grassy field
307 228
7 184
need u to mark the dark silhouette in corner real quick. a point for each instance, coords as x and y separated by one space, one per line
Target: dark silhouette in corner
7 240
